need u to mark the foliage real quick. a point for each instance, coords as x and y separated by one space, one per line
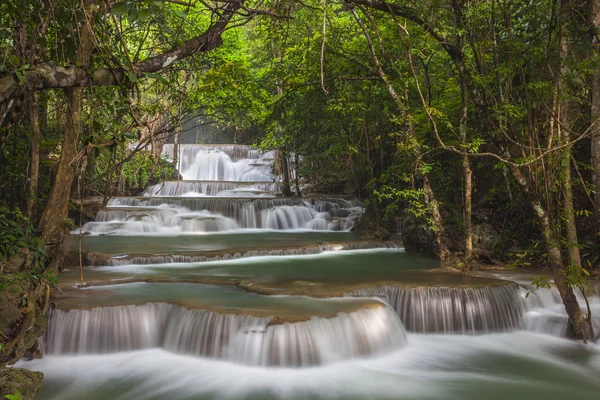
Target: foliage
16 396
17 233
141 171
18 237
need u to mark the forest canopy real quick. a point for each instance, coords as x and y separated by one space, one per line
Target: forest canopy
471 125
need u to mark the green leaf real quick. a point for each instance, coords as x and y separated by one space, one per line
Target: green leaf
130 135
16 396
19 76
156 76
131 76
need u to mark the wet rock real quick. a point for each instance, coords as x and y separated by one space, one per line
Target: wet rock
18 379
485 237
369 230
72 259
418 238
86 212
22 322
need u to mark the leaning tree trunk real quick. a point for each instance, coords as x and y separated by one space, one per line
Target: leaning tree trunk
578 327
53 223
581 327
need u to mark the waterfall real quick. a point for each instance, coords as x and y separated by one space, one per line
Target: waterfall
212 188
128 215
188 152
170 259
546 312
243 338
454 310
222 163
225 188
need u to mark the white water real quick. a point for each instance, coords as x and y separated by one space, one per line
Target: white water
201 215
164 351
225 188
240 338
249 256
212 188
223 163
454 310
545 311
502 366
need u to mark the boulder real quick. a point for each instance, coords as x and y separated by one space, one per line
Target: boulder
19 379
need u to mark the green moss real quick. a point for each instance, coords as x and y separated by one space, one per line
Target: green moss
27 382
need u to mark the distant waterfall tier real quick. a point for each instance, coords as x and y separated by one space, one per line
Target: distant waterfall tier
223 163
188 152
454 310
184 258
212 188
239 338
198 215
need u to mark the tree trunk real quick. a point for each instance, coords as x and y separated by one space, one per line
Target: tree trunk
286 190
53 223
296 178
580 327
440 247
34 169
468 176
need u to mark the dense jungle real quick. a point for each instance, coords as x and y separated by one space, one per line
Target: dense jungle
285 199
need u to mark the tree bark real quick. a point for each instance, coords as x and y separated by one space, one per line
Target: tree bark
53 224
286 190
49 75
296 178
34 168
580 327
468 176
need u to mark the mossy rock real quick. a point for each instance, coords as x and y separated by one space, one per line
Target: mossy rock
23 380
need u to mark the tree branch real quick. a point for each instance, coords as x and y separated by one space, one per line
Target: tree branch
49 75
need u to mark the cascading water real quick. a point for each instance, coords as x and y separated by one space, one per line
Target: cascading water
546 312
241 338
212 188
454 310
225 188
169 259
544 308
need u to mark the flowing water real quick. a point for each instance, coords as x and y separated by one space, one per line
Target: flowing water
215 288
